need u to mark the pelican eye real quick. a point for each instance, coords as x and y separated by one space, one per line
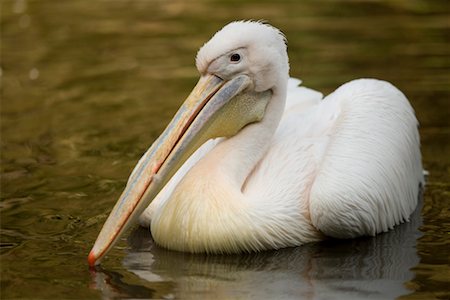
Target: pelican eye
235 57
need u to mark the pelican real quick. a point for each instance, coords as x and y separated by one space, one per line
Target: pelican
252 161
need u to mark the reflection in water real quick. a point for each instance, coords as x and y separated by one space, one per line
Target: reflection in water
87 85
112 286
369 268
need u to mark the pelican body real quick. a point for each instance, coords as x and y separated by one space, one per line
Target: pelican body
253 161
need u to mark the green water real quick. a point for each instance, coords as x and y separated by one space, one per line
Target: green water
86 86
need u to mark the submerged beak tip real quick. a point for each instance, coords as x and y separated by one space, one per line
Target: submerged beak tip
92 259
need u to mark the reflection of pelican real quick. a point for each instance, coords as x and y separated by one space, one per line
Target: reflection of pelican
288 167
365 268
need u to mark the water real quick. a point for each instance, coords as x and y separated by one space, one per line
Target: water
87 86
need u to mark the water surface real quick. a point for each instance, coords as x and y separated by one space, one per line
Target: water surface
87 86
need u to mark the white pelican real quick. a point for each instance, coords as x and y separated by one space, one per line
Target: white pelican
251 161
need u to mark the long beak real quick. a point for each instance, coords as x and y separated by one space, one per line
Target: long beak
189 129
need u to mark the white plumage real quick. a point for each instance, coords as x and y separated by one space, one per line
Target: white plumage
346 165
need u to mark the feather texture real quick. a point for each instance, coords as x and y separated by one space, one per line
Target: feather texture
343 166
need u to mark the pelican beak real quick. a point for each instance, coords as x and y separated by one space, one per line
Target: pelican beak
215 108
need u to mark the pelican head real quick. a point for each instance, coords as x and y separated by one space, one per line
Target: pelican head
243 68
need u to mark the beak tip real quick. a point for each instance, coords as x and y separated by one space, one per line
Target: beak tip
92 260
